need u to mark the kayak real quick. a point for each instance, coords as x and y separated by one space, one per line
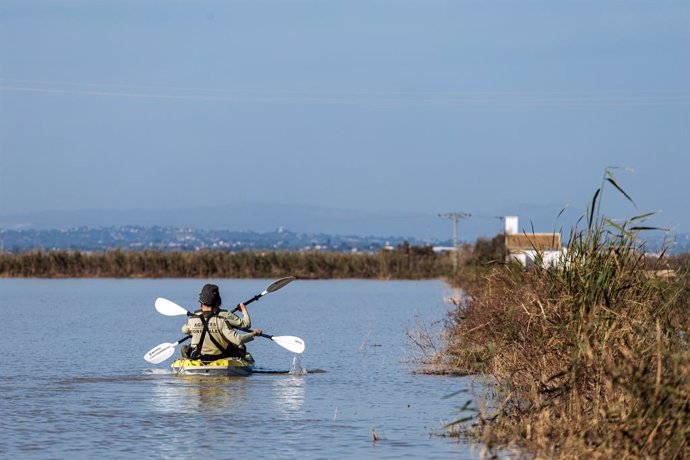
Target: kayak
225 366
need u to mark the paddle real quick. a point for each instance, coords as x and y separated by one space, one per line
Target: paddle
169 308
163 351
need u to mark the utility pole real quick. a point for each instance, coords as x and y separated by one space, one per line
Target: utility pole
455 217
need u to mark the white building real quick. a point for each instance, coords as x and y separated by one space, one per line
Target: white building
526 248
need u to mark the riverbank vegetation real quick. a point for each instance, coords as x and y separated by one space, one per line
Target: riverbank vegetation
403 262
589 359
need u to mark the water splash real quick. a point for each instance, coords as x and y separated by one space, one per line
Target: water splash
296 368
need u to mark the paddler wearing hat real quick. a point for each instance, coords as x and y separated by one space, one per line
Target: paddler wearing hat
213 330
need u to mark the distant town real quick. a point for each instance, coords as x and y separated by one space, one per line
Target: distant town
190 239
139 238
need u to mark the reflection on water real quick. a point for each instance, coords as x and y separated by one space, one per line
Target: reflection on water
202 393
289 396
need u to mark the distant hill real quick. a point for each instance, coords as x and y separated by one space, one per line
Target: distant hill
274 226
187 239
267 217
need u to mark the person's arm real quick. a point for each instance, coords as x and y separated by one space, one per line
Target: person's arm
237 337
186 330
234 321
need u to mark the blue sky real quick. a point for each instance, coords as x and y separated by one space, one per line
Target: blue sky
425 105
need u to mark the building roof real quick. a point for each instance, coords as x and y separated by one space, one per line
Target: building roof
530 241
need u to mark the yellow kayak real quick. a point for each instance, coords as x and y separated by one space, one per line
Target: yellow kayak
225 366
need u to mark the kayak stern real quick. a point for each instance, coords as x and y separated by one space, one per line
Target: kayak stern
225 366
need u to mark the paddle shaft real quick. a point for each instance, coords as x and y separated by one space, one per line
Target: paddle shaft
256 297
262 334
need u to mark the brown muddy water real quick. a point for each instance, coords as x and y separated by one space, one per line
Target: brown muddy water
74 384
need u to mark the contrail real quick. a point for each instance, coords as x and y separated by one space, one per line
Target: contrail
681 97
446 94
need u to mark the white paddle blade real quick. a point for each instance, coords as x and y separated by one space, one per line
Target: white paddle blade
293 344
169 308
160 353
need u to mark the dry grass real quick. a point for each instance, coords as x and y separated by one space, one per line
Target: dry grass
590 360
404 262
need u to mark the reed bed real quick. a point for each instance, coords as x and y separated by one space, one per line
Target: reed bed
589 359
405 262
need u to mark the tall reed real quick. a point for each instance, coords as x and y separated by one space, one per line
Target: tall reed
404 262
589 359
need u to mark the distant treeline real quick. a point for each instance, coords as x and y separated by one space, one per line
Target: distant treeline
405 262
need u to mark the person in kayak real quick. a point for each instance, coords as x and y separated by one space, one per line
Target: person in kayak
213 331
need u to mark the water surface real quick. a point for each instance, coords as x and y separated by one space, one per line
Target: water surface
75 384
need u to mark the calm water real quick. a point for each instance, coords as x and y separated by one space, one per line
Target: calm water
75 384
